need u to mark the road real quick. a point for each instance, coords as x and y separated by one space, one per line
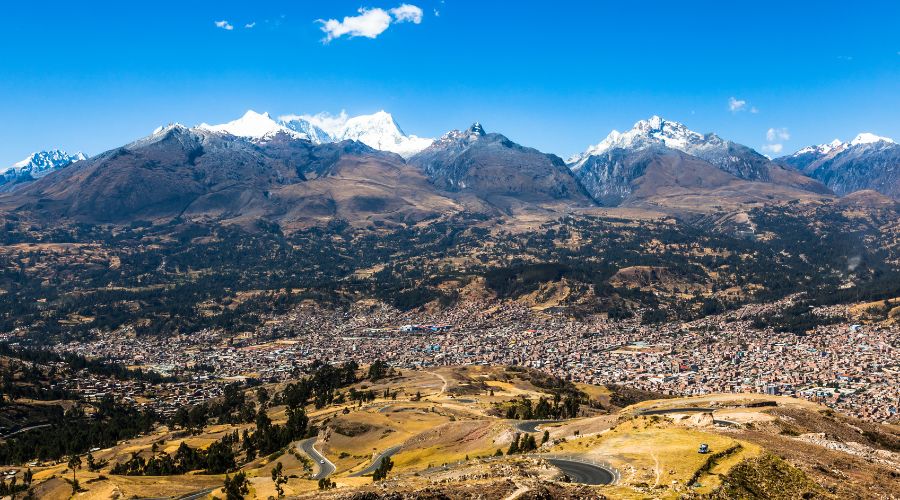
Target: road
197 494
326 469
584 473
530 426
25 429
376 461
443 379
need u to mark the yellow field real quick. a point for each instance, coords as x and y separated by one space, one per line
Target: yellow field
445 434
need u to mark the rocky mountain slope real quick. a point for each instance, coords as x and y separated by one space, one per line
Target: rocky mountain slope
203 173
676 160
735 159
495 169
303 169
866 162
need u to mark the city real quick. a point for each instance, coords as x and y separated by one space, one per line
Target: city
856 371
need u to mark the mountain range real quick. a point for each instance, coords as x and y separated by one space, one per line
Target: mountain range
378 130
303 169
36 166
866 162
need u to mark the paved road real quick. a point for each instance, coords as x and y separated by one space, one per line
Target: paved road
376 461
584 473
530 426
324 469
197 494
25 429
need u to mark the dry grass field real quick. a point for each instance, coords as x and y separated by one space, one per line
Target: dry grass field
444 426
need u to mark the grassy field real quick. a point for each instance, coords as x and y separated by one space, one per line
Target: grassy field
443 421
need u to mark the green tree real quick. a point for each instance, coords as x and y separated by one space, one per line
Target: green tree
378 370
74 464
236 487
279 479
262 395
383 468
514 446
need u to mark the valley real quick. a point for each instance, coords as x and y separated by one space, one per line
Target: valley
296 312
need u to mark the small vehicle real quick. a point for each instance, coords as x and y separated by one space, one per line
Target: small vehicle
704 448
322 461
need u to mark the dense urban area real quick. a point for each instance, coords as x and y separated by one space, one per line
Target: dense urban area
852 368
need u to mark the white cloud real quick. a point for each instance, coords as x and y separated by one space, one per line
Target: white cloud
736 105
370 22
407 13
777 134
754 110
250 25
772 148
225 25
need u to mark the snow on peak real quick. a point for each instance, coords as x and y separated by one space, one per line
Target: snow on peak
252 125
378 130
823 149
836 146
162 129
867 138
40 164
315 128
650 132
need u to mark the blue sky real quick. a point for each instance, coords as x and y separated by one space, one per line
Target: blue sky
553 75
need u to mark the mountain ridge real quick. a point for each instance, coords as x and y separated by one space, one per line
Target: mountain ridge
867 162
378 130
35 166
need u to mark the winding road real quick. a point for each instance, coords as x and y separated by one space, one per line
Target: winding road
376 461
530 426
583 472
327 468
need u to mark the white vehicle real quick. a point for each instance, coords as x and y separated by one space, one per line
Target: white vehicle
322 461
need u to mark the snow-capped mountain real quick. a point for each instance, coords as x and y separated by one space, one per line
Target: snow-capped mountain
378 130
647 133
823 149
660 135
868 161
38 165
302 125
252 125
869 138
734 158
